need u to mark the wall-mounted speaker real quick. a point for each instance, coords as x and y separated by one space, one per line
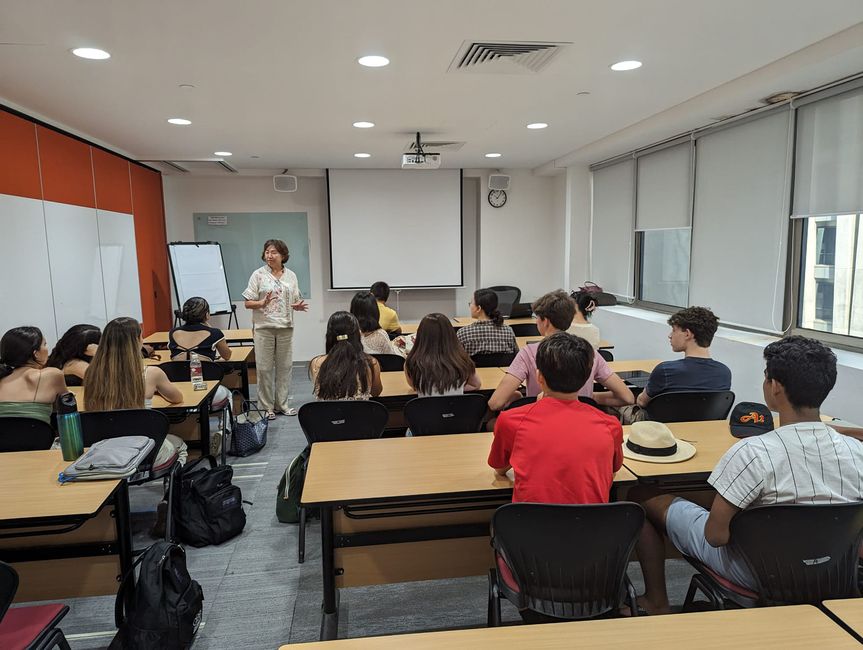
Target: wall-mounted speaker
285 183
498 182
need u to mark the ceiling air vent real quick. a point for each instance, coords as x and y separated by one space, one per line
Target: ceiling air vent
505 57
198 167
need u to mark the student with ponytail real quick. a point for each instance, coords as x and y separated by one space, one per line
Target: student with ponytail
581 326
345 372
27 388
487 334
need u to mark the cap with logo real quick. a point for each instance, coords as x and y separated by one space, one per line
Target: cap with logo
653 442
750 419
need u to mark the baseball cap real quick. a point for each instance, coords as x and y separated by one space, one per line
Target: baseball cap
750 419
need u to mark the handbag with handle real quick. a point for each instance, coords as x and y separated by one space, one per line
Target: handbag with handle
600 297
249 430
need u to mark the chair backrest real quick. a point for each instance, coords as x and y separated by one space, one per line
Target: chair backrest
584 399
103 425
431 416
179 370
606 354
73 380
25 434
525 329
521 401
335 420
390 362
801 553
506 298
569 561
8 587
493 359
692 406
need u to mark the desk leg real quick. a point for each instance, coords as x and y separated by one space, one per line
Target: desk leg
204 425
123 525
330 608
244 378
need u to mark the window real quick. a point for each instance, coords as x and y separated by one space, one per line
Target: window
664 266
831 275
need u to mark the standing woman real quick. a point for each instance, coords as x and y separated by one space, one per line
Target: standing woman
273 295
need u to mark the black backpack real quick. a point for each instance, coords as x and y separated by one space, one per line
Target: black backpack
166 604
208 509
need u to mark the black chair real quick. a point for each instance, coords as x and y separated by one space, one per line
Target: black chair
525 329
336 421
441 415
606 354
33 627
506 298
693 406
522 401
103 425
798 554
211 371
73 380
25 434
390 362
493 359
563 562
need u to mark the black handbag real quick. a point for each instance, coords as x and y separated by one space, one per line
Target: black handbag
249 430
600 297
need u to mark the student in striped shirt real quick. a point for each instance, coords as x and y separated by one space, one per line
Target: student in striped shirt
803 461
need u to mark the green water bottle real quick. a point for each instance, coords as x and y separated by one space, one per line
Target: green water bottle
69 426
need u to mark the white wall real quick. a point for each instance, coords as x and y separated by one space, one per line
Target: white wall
504 254
642 334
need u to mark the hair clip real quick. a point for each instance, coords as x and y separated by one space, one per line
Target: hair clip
342 337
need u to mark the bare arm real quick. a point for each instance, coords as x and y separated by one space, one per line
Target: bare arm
223 349
474 383
618 393
164 386
259 304
717 531
501 471
377 385
504 393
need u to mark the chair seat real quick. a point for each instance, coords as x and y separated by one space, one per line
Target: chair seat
730 586
170 461
23 625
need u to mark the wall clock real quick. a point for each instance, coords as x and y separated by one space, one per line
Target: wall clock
497 198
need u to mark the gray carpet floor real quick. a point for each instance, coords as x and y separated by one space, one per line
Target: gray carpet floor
258 596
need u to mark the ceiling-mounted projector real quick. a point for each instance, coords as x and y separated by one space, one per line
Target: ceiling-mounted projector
419 159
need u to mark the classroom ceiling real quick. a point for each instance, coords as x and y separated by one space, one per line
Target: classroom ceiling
277 83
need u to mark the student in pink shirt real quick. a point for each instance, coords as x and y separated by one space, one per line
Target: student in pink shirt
554 313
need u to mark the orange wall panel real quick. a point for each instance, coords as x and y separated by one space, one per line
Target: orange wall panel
19 157
67 170
113 185
151 242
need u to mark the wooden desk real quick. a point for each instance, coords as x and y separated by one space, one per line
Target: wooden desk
66 541
645 365
234 337
849 614
404 509
396 384
196 401
524 340
783 628
241 357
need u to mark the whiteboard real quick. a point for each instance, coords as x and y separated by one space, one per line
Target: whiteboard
119 264
403 227
25 284
198 270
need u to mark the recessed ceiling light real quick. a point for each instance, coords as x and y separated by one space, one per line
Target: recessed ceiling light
492 155
362 155
179 121
537 125
373 61
625 65
364 125
222 153
91 53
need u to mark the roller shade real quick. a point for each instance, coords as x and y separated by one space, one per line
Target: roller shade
611 228
664 179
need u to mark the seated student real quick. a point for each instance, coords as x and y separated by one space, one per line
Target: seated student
389 318
196 335
487 334
561 450
581 326
554 312
118 379
74 352
345 372
27 388
365 309
779 467
437 363
692 331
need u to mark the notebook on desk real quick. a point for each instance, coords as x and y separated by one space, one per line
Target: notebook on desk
637 378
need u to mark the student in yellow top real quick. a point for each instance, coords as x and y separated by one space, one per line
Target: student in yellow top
389 318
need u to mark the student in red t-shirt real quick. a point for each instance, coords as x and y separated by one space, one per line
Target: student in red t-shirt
561 450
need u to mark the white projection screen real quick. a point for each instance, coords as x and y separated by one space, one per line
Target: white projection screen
403 227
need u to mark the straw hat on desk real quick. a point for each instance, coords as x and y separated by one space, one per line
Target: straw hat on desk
653 442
